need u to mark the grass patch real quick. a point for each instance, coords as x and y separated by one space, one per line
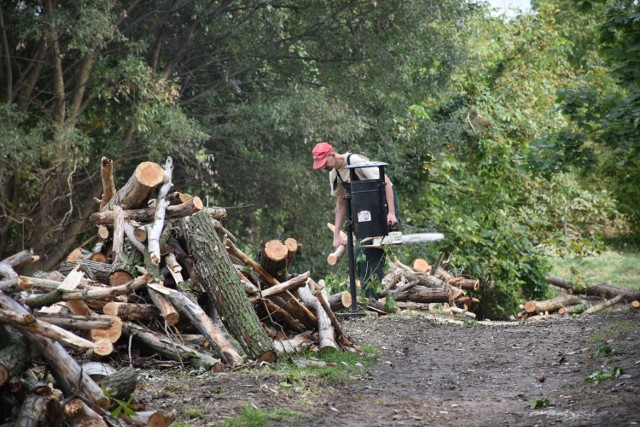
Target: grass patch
333 365
250 416
620 268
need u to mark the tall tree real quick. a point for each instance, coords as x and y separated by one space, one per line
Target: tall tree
223 87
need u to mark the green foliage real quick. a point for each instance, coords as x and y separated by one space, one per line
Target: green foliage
540 403
604 374
120 405
605 113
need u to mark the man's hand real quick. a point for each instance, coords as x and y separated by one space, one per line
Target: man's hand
392 221
338 241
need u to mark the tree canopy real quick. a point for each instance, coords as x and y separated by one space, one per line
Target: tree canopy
497 130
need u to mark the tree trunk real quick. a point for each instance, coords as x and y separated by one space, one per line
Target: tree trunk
273 259
217 276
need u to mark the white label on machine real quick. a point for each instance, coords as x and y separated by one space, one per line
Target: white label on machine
364 216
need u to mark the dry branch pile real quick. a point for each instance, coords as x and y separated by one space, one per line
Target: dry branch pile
579 300
165 278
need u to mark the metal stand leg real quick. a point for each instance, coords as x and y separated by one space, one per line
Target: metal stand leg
351 255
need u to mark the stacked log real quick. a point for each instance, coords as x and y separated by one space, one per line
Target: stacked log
415 287
163 262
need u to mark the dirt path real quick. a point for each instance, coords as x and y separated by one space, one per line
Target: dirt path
436 373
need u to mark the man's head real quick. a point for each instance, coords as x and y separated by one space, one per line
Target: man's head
320 153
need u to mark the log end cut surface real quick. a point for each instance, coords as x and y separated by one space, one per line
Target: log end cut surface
149 174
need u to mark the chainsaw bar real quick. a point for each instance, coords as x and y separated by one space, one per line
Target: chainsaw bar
397 238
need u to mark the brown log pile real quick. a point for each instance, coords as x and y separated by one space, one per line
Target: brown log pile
165 279
417 287
579 300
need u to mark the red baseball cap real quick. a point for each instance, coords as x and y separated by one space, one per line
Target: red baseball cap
320 153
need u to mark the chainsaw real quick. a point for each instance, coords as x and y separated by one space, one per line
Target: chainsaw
397 238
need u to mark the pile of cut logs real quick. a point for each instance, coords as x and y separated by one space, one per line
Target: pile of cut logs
165 277
575 300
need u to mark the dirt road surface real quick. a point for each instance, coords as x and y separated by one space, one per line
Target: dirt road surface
432 371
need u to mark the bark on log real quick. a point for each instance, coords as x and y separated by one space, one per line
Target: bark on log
64 366
325 328
14 354
155 230
128 311
27 323
125 266
573 309
121 384
281 317
95 270
605 290
72 321
550 305
10 265
79 414
170 348
135 193
286 300
290 284
108 184
606 304
40 410
145 215
216 274
445 293
167 310
203 323
297 344
340 301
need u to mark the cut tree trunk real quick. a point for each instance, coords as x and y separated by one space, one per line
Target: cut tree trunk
550 305
135 193
425 294
273 259
340 301
216 275
292 249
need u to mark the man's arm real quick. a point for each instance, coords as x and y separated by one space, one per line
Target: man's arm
391 216
341 215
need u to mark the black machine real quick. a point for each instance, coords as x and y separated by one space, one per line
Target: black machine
367 211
